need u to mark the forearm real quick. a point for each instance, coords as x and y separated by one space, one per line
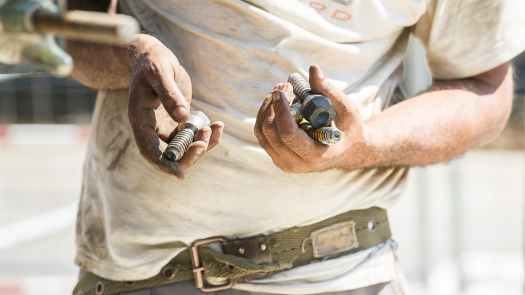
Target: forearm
100 66
451 118
96 65
111 66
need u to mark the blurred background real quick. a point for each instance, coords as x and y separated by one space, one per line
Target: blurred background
460 226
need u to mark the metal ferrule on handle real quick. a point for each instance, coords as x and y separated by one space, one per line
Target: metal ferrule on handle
85 25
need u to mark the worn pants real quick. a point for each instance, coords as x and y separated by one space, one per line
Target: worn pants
397 287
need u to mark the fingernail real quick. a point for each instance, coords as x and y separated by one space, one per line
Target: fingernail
180 113
180 176
277 95
207 134
200 150
178 168
318 72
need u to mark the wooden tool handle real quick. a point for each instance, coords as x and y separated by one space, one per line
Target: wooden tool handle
86 26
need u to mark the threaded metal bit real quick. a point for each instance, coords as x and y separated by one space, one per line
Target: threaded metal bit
301 88
184 138
317 109
179 144
297 112
325 135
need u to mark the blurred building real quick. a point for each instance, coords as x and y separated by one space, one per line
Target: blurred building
44 99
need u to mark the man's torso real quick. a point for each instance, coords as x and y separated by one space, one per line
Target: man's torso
133 219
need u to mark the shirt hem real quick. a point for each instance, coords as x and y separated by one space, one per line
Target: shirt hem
115 273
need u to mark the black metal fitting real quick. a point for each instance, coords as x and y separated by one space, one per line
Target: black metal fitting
317 109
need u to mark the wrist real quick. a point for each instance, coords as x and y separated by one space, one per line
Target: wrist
370 147
362 151
139 46
146 51
374 148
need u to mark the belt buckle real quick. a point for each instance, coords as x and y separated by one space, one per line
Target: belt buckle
198 269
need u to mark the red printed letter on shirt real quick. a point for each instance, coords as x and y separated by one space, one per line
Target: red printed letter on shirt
341 15
317 6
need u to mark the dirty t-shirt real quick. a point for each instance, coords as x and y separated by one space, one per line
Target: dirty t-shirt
133 219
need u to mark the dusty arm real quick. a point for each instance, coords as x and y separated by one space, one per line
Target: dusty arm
444 122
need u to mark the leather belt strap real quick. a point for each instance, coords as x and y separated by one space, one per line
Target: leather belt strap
260 256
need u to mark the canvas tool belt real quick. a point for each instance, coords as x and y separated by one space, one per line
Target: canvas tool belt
258 257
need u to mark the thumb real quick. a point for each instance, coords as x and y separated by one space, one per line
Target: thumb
345 109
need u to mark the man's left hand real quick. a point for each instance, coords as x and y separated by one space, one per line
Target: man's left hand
292 150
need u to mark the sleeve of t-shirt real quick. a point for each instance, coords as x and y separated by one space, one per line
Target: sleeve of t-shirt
464 38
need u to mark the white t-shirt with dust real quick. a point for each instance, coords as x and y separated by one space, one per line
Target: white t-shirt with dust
133 220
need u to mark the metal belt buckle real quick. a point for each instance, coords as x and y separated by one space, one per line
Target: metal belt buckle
198 269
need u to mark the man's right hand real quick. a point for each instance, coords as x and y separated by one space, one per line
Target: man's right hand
159 99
